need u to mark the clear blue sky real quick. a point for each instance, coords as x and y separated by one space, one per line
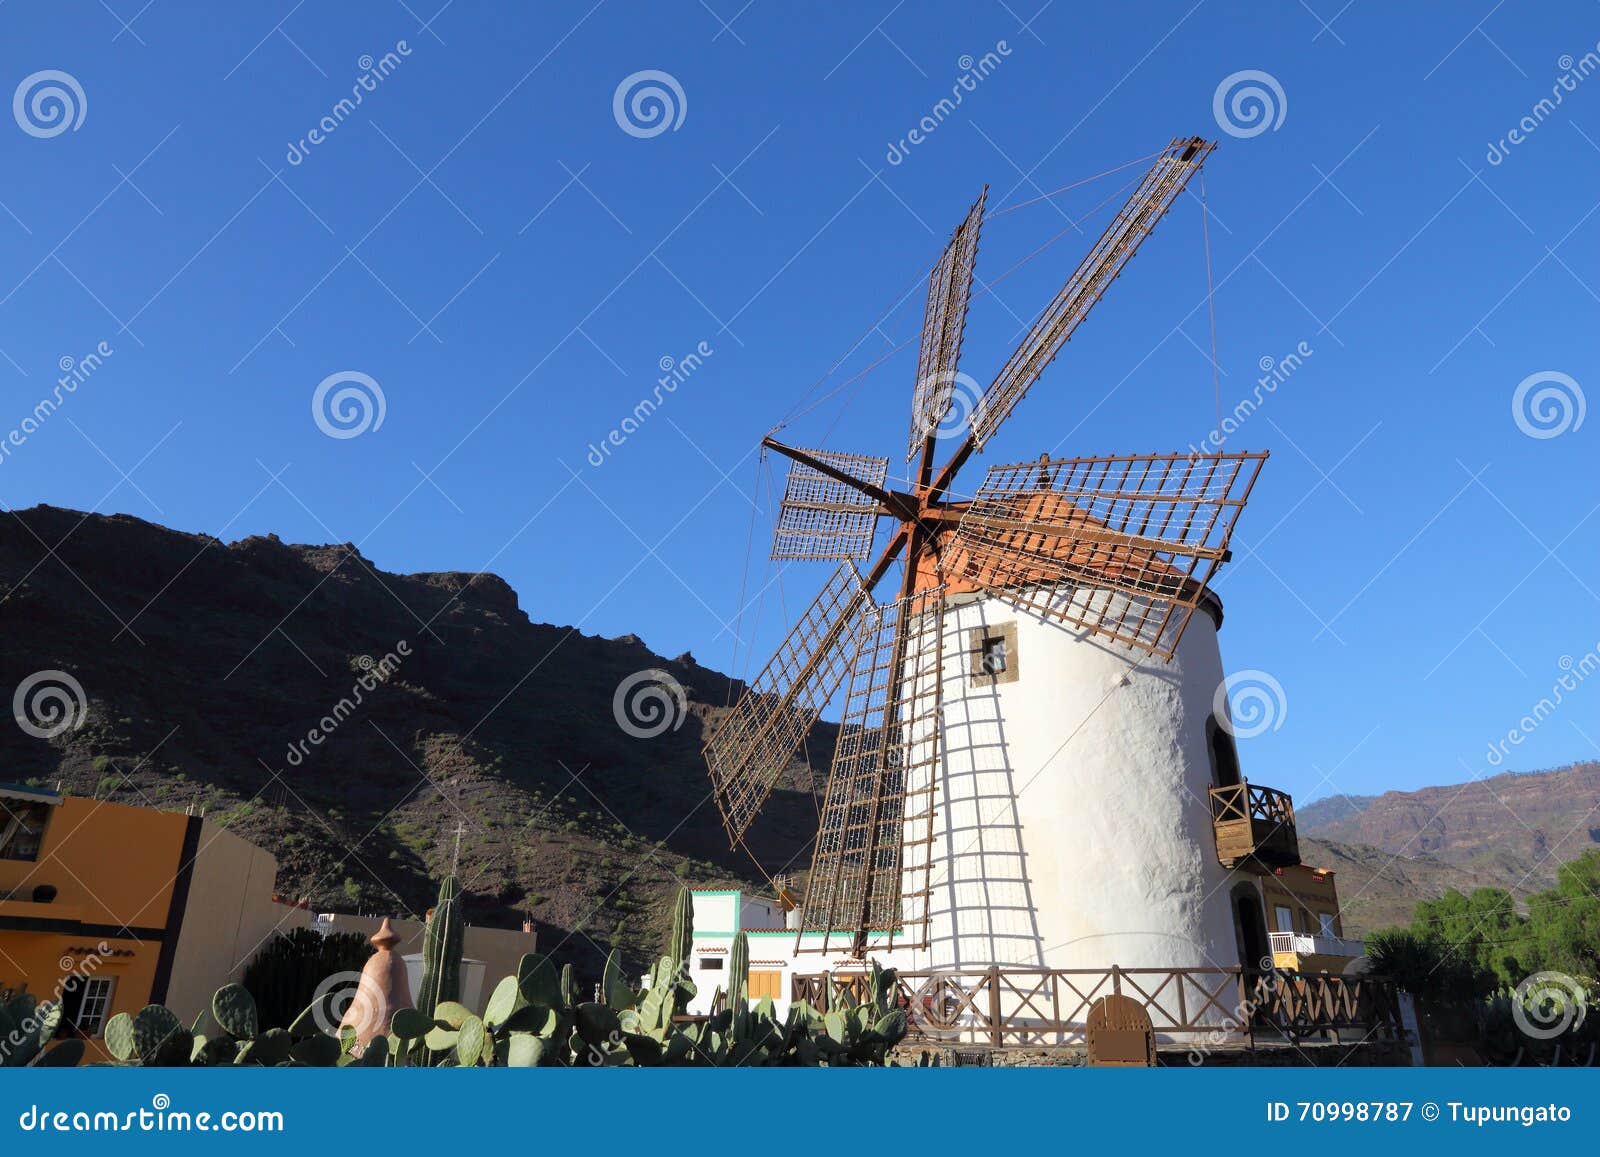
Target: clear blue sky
483 239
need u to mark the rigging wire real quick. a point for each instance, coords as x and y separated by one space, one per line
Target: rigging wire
799 409
744 579
1211 307
987 287
1074 185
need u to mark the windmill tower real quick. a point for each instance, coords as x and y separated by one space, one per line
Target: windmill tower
1028 750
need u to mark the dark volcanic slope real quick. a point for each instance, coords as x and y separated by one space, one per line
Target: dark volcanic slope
202 662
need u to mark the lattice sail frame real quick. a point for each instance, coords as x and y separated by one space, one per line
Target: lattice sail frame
763 730
944 323
1161 186
823 518
1135 539
870 869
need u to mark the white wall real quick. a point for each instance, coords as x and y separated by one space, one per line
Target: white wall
1074 826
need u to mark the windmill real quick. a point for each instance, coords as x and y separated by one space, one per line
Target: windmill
1114 551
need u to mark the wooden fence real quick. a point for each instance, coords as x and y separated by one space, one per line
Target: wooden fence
1021 1007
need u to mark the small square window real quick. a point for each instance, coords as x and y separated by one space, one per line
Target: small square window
992 653
711 963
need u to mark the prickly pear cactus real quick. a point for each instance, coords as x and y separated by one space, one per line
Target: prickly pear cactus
235 1010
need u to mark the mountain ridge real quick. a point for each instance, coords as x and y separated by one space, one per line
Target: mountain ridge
207 666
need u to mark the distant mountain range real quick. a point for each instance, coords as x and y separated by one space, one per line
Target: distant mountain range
208 666
1510 831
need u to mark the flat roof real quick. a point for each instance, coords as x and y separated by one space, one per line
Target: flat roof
31 794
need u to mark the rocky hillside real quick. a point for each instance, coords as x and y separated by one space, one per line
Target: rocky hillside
1378 889
213 675
1510 828
350 720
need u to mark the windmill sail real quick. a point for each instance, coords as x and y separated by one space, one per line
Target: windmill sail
1088 283
752 746
943 324
1138 537
824 518
869 870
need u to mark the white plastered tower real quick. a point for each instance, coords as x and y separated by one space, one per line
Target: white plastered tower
1072 823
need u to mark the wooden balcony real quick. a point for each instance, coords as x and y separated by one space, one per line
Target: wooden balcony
1254 825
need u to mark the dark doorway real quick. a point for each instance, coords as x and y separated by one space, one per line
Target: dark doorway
1250 928
1224 755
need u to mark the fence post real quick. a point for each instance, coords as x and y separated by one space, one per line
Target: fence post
996 1033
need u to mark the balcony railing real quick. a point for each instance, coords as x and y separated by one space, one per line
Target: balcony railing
1254 823
1302 944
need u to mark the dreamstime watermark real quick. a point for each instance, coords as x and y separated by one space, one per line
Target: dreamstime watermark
348 404
674 372
973 73
1573 673
951 399
942 1007
1242 1016
1548 404
348 999
1548 1004
74 372
76 965
374 675
1573 73
48 103
1248 103
373 73
160 1117
1258 704
648 103
49 703
1274 372
649 703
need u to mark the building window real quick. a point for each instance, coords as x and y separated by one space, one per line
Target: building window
1284 915
711 963
766 982
993 650
1326 919
22 826
85 1003
992 654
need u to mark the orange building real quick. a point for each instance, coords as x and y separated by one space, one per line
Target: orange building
109 907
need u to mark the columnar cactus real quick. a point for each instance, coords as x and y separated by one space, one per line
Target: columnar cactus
682 941
739 985
441 949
